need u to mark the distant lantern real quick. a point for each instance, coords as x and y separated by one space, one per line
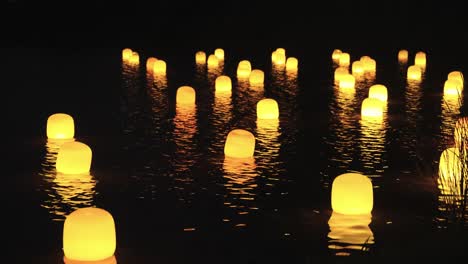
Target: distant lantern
452 172
150 63
89 236
347 81
460 132
344 59
213 61
291 64
273 57
219 53
357 68
352 194
340 72
267 109
403 56
281 51
420 59
185 95
372 107
135 58
240 143
126 54
200 57
223 84
280 58
256 77
243 69
336 55
452 87
60 126
74 158
370 65
456 75
378 91
159 67
414 72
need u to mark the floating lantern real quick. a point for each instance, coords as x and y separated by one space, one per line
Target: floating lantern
336 55
150 63
456 75
240 143
347 81
213 61
378 91
414 73
370 65
460 133
403 56
451 171
219 53
280 58
291 64
89 236
357 68
223 84
340 72
159 67
126 54
74 158
200 57
243 69
344 59
420 60
267 109
185 95
352 194
372 107
60 126
273 57
452 87
281 51
256 77
135 58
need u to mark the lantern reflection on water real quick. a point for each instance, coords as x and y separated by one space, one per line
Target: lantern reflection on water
453 171
372 107
347 81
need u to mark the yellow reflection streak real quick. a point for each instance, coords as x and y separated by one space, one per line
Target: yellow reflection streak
349 233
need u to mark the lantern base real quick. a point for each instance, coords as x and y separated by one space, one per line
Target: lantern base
109 260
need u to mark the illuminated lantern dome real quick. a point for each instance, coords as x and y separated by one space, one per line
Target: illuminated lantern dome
456 75
281 51
135 58
451 171
89 235
126 54
200 57
213 61
219 53
378 91
159 67
291 64
357 68
256 77
347 81
372 107
74 158
267 109
460 132
280 58
452 87
344 59
223 84
403 56
60 126
336 55
243 69
185 95
340 72
150 62
240 143
352 194
420 59
370 65
414 73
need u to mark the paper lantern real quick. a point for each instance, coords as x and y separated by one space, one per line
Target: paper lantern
403 56
340 72
240 143
126 54
336 55
452 87
451 171
267 109
74 158
280 58
223 84
200 57
456 75
352 194
281 51
378 91
89 235
273 57
420 60
135 58
370 65
357 68
219 53
344 59
185 95
291 64
243 69
150 63
414 73
256 77
213 61
159 67
460 133
372 107
347 81
60 126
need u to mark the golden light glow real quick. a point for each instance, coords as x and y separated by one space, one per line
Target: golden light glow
267 109
256 77
403 56
370 65
460 133
74 158
280 58
243 69
349 232
378 91
240 143
223 84
200 57
89 235
340 72
347 81
281 51
420 60
345 59
292 64
60 126
149 63
336 55
452 169
273 57
372 107
456 75
352 194
213 61
159 67
414 72
135 58
126 54
219 53
357 68
452 87
185 95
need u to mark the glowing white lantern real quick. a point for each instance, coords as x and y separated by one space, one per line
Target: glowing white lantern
223 84
403 56
378 91
74 158
185 95
243 69
267 109
213 61
336 55
452 87
291 64
200 57
352 194
219 53
414 72
347 81
159 67
456 75
256 77
60 126
372 107
126 54
240 143
273 57
420 60
340 72
344 59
